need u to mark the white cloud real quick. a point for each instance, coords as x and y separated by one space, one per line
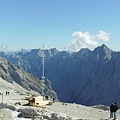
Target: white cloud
4 48
86 40
103 36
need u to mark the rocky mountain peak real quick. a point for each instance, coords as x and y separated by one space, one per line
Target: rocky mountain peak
84 52
103 49
103 53
53 51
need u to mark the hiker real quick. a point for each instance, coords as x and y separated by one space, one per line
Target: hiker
46 97
113 109
53 99
6 92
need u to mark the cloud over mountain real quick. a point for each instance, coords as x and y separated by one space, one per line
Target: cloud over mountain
86 40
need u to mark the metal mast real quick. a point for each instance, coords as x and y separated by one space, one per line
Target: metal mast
43 66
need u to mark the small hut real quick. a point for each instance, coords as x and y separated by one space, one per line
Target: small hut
39 101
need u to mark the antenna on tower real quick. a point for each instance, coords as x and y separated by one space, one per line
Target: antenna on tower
43 66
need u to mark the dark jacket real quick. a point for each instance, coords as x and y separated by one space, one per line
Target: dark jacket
113 107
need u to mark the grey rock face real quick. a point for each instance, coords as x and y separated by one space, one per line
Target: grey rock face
31 112
10 73
85 77
39 114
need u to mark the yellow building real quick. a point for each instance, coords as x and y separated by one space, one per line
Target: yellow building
39 101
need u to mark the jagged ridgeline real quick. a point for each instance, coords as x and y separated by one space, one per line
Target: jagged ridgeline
13 73
86 77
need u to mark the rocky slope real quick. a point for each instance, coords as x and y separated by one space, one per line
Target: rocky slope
85 77
12 73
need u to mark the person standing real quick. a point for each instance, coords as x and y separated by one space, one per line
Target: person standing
53 99
113 110
6 92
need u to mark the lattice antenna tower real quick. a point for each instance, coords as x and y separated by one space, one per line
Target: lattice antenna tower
43 66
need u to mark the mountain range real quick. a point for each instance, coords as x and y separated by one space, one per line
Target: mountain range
85 77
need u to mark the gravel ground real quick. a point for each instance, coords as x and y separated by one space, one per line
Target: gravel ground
80 111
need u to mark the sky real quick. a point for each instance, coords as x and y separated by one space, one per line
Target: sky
62 24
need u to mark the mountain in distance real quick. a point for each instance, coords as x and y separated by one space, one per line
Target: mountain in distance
15 75
86 77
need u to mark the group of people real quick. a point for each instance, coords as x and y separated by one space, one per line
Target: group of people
7 92
113 110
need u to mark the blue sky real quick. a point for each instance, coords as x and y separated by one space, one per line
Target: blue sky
64 24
